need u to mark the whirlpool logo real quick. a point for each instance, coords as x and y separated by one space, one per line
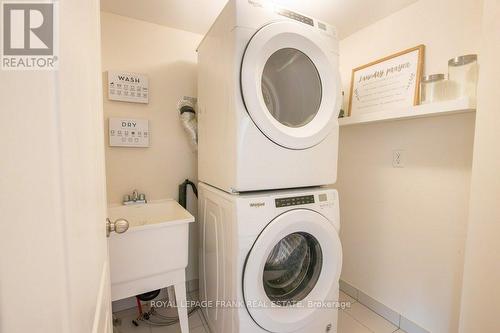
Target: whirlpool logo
257 204
29 36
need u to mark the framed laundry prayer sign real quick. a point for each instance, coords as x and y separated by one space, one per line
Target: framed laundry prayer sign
389 83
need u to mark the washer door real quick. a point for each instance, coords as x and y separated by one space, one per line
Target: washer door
293 262
290 86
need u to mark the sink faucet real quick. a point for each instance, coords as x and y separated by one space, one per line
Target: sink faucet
135 198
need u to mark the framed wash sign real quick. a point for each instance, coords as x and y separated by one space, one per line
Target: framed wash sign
389 83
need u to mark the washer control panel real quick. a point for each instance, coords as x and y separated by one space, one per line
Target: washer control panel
294 201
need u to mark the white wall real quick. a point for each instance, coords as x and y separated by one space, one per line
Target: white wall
168 57
403 230
481 288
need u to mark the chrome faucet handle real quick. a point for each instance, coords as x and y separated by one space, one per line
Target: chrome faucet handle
135 195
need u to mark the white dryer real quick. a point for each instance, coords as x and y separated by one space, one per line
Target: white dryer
269 261
269 95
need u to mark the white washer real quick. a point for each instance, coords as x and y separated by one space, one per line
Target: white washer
269 261
269 95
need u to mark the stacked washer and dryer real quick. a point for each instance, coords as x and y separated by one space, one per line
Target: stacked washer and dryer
269 96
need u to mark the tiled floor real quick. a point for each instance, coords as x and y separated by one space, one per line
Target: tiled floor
359 319
197 323
356 319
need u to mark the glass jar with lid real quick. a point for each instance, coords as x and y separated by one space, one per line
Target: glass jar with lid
463 74
432 88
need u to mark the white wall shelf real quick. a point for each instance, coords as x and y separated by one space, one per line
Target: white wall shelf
419 111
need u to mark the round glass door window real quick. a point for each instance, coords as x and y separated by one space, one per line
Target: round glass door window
291 87
292 269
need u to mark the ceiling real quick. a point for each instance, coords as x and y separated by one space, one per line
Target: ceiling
196 16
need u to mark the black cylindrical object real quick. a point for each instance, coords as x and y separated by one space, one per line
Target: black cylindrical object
183 192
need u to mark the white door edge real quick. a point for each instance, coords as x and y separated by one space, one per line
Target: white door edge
103 313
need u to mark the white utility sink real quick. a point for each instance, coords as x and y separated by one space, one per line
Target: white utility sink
153 252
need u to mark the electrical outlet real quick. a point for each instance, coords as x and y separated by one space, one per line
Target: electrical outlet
398 159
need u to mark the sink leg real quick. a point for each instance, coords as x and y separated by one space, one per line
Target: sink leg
180 297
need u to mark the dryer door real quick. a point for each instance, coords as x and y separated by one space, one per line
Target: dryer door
290 84
295 261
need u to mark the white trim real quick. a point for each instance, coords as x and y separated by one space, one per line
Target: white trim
265 43
464 105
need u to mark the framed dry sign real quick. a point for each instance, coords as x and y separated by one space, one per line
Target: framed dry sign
389 83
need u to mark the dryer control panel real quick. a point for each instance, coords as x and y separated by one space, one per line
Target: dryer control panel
296 16
294 201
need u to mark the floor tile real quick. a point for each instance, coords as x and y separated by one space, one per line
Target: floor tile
370 319
200 329
356 319
166 329
348 324
194 318
410 326
177 329
379 308
203 319
126 326
126 313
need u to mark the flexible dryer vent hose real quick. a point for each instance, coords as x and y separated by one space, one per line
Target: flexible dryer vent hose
189 122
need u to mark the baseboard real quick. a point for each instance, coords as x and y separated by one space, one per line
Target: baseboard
128 303
381 309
